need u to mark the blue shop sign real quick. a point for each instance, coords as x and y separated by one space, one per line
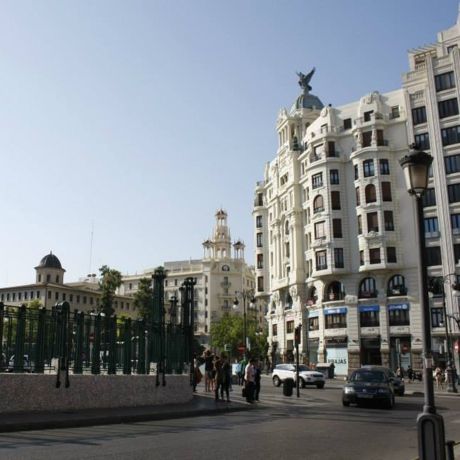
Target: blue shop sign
398 306
335 311
364 308
313 313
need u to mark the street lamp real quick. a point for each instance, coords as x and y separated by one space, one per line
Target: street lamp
430 425
244 295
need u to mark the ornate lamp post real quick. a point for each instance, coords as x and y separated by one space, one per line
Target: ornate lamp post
244 295
430 425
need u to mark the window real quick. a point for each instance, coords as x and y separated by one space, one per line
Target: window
335 200
384 167
368 168
259 240
397 285
337 228
260 261
356 172
318 204
358 198
422 141
386 191
338 258
367 115
380 139
453 191
388 219
49 295
347 123
260 199
419 115
289 327
399 317
369 319
431 224
394 112
360 225
317 180
429 198
448 108
367 288
450 135
334 176
374 256
320 231
391 254
260 284
456 252
39 278
444 81
336 321
433 255
455 222
437 317
452 164
372 222
367 138
313 324
321 262
371 196
48 278
286 228
275 329
287 251
259 221
331 149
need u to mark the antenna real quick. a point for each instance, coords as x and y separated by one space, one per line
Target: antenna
91 247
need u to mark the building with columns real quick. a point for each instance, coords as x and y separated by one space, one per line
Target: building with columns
219 275
334 225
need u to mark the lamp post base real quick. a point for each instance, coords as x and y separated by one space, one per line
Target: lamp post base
431 437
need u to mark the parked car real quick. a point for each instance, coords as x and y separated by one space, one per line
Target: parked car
368 384
398 383
27 364
306 375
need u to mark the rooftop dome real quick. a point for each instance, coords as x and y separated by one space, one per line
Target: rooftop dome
306 100
50 261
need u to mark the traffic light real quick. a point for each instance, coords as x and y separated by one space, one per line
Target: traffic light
297 335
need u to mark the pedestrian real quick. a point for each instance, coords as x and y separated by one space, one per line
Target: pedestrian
249 381
257 376
208 367
241 370
218 377
226 378
400 372
410 374
197 375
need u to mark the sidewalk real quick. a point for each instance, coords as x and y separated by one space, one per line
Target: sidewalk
199 406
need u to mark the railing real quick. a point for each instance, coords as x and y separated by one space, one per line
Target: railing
50 341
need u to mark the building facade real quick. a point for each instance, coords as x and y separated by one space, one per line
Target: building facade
334 224
220 274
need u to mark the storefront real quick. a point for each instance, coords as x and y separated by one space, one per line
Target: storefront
337 353
400 352
312 352
370 351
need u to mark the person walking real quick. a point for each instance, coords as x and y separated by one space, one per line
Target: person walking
218 378
226 378
249 381
257 377
208 367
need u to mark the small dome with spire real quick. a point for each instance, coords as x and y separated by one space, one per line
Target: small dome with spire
50 261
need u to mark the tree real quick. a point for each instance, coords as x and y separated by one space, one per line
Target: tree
110 281
34 304
143 298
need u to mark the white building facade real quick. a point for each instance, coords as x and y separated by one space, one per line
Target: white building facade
335 227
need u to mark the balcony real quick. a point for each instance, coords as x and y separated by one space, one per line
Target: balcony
367 294
397 291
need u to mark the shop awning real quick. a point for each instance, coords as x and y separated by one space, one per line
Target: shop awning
335 311
398 306
364 308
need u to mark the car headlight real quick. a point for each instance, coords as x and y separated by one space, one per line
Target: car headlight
348 390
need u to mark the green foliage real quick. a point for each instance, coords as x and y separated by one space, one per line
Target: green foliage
110 281
143 298
230 331
34 304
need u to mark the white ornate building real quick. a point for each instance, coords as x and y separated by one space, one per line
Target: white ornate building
222 272
335 228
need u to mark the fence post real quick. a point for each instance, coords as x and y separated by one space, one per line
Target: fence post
127 347
96 354
2 315
79 318
40 346
159 319
19 343
112 368
140 332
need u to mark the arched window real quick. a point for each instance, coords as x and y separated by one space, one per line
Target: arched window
397 285
318 204
312 297
367 289
335 291
288 300
286 228
371 196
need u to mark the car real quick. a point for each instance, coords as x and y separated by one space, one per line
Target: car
27 364
398 383
369 385
307 376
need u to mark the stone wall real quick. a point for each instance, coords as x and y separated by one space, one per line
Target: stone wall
38 392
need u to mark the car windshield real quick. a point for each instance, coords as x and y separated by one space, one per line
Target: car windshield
368 376
303 368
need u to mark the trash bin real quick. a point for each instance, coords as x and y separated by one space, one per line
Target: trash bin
288 385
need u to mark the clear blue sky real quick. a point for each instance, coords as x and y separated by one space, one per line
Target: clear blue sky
144 117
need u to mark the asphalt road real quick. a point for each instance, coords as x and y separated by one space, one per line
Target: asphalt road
314 426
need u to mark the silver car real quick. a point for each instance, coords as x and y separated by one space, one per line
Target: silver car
307 376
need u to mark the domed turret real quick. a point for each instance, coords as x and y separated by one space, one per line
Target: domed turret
306 100
50 270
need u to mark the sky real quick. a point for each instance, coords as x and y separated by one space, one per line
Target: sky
125 125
